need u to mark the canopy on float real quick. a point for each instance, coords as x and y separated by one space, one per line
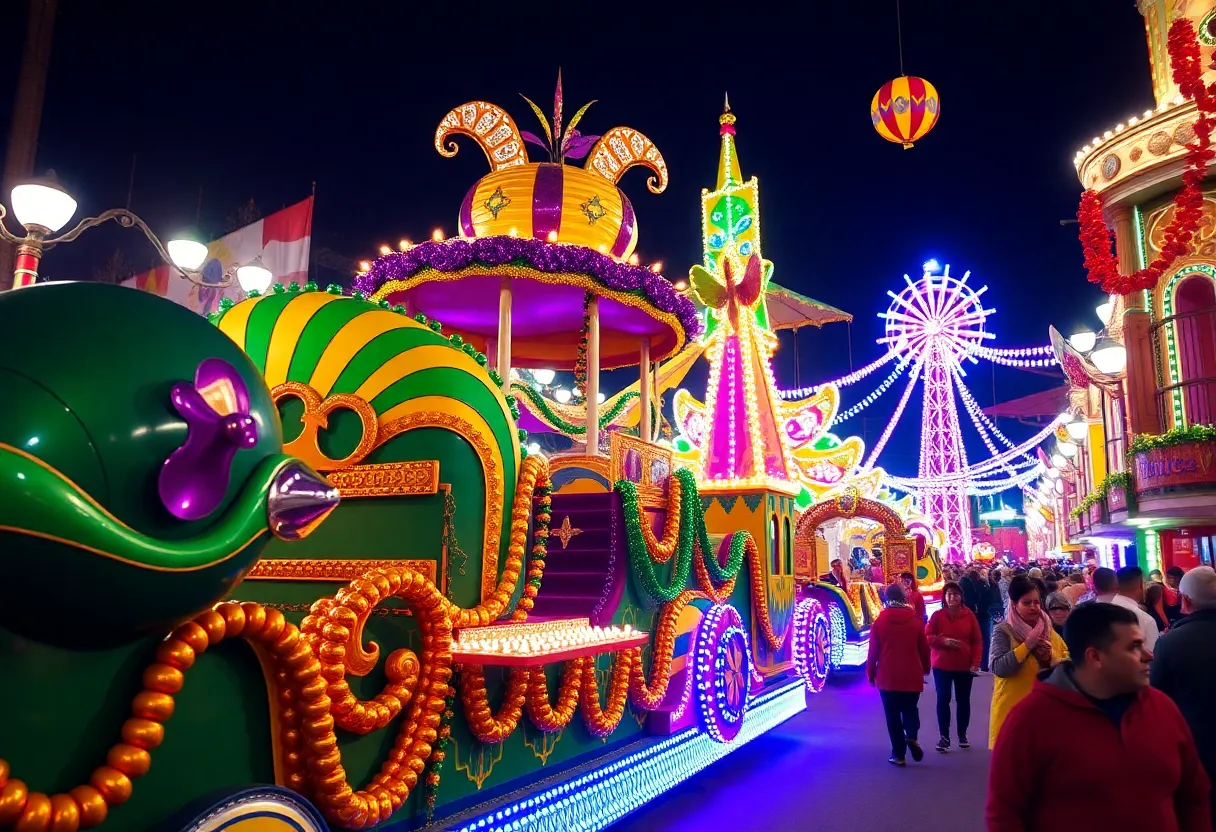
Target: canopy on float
789 310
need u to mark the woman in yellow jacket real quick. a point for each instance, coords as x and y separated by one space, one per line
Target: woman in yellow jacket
1022 645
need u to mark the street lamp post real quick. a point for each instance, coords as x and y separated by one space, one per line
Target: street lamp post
43 207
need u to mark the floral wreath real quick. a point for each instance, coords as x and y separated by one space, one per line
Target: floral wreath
1185 62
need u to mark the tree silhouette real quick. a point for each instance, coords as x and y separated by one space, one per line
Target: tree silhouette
246 214
114 270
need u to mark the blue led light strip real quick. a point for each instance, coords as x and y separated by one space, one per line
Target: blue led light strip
595 799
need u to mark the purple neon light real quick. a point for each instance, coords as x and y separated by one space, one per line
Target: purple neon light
628 230
547 201
466 214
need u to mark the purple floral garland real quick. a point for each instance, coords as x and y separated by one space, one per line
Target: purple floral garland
454 255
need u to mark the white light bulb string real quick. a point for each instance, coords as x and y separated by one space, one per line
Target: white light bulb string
972 473
1021 358
899 411
843 381
980 420
872 397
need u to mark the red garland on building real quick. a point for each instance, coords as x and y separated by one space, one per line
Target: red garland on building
1103 268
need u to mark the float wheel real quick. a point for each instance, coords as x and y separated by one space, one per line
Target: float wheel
723 659
812 646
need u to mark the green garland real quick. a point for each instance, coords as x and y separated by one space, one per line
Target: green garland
639 555
1118 479
540 534
692 531
456 555
580 363
568 428
435 763
1142 442
692 511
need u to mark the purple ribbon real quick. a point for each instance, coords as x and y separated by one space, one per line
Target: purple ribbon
195 477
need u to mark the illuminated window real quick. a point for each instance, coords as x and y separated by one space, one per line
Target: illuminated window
1195 319
774 535
789 546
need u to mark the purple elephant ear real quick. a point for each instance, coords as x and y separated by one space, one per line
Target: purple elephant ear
195 477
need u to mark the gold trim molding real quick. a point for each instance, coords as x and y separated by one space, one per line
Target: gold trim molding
315 569
388 479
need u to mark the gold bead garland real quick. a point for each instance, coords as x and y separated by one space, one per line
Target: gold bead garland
662 550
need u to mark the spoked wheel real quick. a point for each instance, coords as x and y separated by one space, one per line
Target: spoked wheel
812 646
723 671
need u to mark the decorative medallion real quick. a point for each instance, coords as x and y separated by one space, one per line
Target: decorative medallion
1135 154
848 502
593 210
1110 166
1184 133
497 201
565 532
1160 143
660 471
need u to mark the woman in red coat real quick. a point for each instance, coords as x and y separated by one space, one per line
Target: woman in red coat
897 666
957 646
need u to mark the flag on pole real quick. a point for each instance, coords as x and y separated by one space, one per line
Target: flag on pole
282 241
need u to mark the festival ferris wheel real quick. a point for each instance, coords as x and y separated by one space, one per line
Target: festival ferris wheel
935 328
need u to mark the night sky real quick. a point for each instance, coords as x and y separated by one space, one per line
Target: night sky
258 100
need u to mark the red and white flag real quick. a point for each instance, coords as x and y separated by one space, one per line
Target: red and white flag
282 241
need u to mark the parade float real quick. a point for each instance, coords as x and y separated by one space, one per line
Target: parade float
473 637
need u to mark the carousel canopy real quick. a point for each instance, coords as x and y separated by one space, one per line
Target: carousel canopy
457 282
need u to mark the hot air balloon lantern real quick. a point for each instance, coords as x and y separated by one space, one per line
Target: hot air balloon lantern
905 110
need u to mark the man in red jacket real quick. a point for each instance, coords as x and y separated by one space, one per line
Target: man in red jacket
897 666
1127 760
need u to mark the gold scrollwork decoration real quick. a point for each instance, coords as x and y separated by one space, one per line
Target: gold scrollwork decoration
316 418
337 570
388 479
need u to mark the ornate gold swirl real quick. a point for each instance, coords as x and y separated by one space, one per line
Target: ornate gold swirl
622 148
489 126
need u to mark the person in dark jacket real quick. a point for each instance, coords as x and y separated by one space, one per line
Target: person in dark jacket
1184 664
1127 760
977 597
897 666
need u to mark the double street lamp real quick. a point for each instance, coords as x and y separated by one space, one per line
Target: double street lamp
43 207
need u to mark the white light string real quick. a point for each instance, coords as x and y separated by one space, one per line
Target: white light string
917 484
872 397
843 381
899 411
1020 358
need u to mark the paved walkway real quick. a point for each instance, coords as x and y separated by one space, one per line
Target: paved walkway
826 770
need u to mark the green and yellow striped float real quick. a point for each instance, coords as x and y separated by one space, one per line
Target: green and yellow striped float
412 376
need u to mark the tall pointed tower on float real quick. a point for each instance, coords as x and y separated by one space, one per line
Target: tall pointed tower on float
744 436
746 447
